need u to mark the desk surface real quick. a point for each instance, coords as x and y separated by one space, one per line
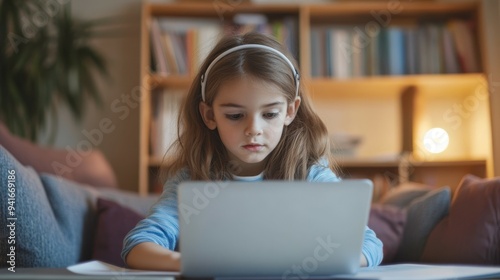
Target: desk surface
63 273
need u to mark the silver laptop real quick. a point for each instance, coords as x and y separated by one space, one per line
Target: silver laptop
290 230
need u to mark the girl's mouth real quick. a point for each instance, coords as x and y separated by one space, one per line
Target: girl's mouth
253 147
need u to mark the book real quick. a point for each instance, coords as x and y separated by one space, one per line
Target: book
373 56
316 52
412 57
196 38
169 53
449 53
359 54
157 49
396 54
341 52
434 53
164 123
423 50
465 45
207 36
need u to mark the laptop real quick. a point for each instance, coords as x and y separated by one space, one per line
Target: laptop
290 230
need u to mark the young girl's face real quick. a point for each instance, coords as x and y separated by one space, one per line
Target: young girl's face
249 115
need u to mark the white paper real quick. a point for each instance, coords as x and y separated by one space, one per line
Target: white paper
423 272
102 268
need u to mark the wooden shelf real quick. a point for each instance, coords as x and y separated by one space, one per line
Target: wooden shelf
393 85
170 81
367 163
218 9
155 162
317 10
359 162
362 163
360 9
450 163
368 106
386 173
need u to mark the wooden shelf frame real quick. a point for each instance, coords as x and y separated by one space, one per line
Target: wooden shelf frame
308 15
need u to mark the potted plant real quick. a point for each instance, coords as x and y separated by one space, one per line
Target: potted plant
45 61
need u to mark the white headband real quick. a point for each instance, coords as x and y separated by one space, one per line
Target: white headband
204 77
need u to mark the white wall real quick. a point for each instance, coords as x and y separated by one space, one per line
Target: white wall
122 51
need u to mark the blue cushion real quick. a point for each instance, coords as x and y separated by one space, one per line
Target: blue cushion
423 214
51 219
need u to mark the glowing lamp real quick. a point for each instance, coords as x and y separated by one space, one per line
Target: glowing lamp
436 140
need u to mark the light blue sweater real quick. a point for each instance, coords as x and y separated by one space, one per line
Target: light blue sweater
162 224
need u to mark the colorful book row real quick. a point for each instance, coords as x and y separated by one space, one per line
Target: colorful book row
178 46
351 51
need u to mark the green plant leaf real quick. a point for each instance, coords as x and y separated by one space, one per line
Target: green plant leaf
48 66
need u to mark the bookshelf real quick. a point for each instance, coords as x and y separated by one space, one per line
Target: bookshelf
367 105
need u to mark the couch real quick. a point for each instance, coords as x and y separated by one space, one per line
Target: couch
59 222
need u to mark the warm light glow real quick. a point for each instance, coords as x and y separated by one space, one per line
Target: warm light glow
436 140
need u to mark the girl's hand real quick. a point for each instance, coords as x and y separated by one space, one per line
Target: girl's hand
362 261
151 256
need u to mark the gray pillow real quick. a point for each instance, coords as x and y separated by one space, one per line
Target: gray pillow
46 233
404 194
423 214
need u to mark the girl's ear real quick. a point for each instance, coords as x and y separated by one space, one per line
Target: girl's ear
207 114
291 111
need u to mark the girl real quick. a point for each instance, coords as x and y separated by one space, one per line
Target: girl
246 118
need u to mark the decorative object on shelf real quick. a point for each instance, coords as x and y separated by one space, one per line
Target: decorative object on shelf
436 140
345 144
46 60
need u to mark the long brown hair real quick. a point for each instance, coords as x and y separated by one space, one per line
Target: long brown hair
303 143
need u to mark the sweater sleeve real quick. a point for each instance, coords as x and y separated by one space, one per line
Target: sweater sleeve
372 246
161 226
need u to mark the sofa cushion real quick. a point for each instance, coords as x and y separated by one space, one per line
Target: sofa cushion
422 216
388 223
140 204
55 217
46 234
114 221
471 232
402 195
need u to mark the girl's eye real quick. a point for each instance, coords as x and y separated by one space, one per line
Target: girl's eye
234 117
270 115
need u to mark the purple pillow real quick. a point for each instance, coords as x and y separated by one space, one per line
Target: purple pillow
388 223
114 221
470 234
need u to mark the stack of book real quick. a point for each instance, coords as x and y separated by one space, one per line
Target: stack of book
357 51
164 123
179 45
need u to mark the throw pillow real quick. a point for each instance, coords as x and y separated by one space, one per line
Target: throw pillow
46 234
402 195
388 223
471 232
114 221
140 204
423 214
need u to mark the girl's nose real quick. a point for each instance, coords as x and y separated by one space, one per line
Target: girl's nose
253 127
